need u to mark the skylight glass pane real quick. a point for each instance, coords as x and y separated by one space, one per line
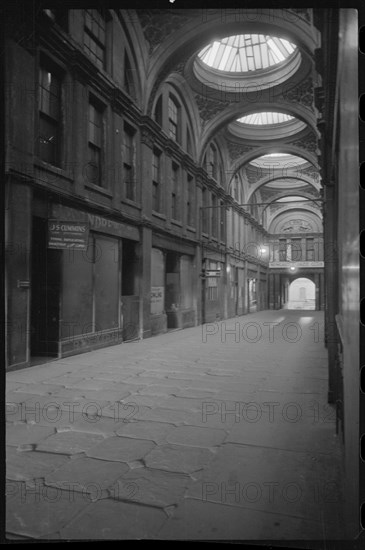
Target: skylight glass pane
245 52
265 117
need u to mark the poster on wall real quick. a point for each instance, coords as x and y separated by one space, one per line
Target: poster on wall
65 234
157 299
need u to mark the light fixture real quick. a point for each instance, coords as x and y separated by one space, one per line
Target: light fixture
292 268
263 250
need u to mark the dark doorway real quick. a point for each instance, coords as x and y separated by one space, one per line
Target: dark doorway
45 293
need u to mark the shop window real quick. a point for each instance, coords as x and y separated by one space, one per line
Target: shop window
50 128
94 37
296 250
129 268
95 142
212 284
157 281
106 283
310 256
128 77
174 116
156 180
175 192
190 203
129 162
186 274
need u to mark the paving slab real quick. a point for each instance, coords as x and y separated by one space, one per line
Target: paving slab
114 520
70 442
153 431
27 465
207 521
151 487
121 449
86 475
178 458
37 511
26 434
195 436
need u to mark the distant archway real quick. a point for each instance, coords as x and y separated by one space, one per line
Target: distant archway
302 294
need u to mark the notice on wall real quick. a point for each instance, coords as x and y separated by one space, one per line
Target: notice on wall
157 299
67 234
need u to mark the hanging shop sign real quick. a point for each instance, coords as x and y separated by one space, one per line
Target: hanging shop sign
67 234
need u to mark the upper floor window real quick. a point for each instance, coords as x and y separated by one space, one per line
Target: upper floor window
49 116
94 37
236 188
222 217
157 114
212 162
205 210
59 16
174 119
214 211
190 202
282 250
189 143
129 161
95 142
310 256
175 192
128 77
296 250
156 180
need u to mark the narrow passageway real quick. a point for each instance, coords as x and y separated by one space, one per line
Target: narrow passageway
220 431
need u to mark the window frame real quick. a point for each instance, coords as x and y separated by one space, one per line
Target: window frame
94 146
102 45
47 116
131 166
156 181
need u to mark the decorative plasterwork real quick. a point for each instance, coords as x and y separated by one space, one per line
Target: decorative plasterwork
297 226
302 12
236 150
157 25
308 142
208 108
300 94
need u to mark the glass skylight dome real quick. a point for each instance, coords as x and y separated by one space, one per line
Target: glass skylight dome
265 118
244 53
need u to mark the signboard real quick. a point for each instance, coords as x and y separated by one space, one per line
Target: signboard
212 273
157 299
67 234
296 264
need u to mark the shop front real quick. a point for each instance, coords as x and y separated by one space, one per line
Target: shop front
173 285
84 282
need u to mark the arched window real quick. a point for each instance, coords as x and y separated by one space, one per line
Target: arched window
157 114
174 119
212 162
128 77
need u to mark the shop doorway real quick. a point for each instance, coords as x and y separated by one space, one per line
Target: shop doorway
45 294
302 294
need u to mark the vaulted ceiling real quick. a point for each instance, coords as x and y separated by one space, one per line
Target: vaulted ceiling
249 77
